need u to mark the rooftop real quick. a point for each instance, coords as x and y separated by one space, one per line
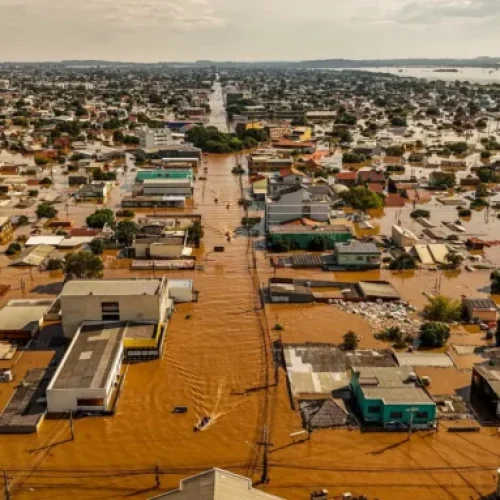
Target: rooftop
487 304
23 314
391 384
89 359
112 287
289 228
216 484
315 368
356 247
490 371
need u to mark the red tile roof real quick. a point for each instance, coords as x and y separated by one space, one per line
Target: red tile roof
375 187
394 200
347 176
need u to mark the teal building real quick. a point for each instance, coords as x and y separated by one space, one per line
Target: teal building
392 395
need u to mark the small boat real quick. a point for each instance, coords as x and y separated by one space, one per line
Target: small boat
180 409
202 423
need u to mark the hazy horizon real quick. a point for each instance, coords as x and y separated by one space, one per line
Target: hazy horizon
234 30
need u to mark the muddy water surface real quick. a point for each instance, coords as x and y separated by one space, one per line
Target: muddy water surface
218 362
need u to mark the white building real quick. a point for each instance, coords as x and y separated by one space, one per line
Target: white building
134 300
87 377
150 138
113 300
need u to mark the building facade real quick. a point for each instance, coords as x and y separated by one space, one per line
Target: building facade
113 300
391 395
150 138
356 255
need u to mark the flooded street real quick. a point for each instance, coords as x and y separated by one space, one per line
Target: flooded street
218 361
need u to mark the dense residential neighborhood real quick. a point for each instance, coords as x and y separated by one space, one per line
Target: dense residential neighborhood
232 277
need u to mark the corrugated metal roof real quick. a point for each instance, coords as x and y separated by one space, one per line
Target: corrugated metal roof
357 247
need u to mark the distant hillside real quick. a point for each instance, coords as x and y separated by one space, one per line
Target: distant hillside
481 62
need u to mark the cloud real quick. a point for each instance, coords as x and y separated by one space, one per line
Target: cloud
435 11
152 30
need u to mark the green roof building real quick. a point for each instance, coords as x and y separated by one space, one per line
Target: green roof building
171 173
392 395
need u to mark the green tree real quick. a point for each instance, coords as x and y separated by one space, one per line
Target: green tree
395 151
13 248
458 148
351 341
442 308
118 136
100 218
420 213
126 231
353 158
82 265
55 264
454 260
497 334
495 281
481 191
195 234
23 220
434 334
404 262
97 246
46 210
361 198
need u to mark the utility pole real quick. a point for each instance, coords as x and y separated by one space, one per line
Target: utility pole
71 426
157 475
412 412
6 487
264 478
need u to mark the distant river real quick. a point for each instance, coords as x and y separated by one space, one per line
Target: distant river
479 75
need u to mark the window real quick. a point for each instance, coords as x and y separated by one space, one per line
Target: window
396 414
110 311
374 409
421 414
360 258
90 402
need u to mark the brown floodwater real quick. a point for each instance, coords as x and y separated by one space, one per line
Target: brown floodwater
217 361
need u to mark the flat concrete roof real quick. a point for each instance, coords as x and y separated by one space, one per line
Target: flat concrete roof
112 287
392 385
23 314
424 359
315 368
88 361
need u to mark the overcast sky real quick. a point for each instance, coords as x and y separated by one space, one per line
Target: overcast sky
183 30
